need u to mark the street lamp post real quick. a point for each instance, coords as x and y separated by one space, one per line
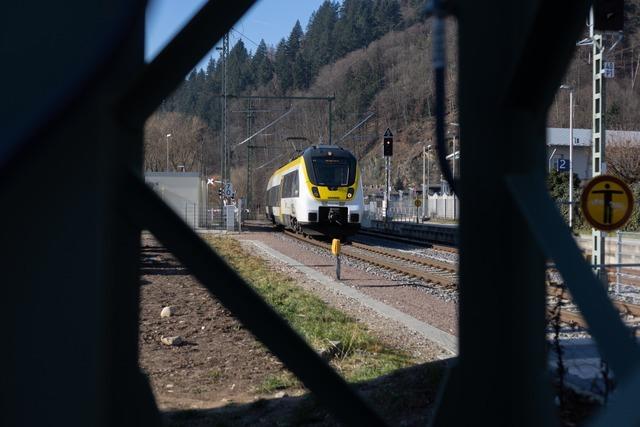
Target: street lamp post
425 187
167 139
570 89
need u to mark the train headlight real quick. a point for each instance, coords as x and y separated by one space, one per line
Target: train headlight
349 193
315 192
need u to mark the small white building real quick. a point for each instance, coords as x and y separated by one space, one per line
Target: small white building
558 147
182 191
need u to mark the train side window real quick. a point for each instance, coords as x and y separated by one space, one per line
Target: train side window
295 184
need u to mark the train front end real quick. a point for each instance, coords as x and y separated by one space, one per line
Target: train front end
333 203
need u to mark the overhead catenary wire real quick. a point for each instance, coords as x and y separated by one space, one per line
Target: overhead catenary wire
360 123
264 128
270 161
245 37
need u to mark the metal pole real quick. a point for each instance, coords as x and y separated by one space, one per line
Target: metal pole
428 178
598 140
571 158
424 158
249 147
385 202
551 157
330 118
167 168
618 260
453 166
226 148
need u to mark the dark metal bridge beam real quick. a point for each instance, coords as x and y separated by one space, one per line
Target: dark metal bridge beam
72 257
147 210
69 260
512 56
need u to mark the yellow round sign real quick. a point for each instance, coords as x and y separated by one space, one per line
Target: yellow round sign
417 202
606 203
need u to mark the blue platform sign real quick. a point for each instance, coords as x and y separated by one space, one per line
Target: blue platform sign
563 165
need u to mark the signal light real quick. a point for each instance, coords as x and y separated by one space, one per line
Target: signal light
219 192
349 193
608 15
387 147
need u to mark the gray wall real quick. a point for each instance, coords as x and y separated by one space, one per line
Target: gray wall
181 191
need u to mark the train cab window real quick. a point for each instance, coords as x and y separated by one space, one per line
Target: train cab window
290 185
332 172
295 185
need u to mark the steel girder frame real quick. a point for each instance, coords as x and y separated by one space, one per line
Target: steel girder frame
501 375
71 267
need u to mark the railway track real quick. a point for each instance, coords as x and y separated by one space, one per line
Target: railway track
443 274
571 317
385 236
439 273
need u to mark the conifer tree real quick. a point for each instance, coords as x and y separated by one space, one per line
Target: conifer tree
319 45
282 67
261 66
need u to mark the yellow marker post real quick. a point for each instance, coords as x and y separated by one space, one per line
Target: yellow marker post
335 250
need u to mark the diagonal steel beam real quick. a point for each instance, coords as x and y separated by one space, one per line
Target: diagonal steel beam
622 410
612 337
167 70
150 212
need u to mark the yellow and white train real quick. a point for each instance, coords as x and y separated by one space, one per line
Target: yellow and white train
318 193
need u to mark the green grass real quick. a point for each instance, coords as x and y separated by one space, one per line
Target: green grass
278 381
215 375
361 357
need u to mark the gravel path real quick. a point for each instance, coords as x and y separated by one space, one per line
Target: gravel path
415 298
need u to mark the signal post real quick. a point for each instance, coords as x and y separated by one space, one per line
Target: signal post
387 151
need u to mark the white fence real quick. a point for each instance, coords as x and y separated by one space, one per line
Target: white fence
442 206
436 206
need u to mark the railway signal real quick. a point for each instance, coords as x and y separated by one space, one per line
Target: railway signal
387 147
387 151
608 15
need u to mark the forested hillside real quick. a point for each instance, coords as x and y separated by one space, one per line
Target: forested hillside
374 57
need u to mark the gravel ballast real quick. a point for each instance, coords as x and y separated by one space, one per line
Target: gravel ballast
403 294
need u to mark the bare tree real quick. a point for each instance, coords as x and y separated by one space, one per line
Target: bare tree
187 147
623 160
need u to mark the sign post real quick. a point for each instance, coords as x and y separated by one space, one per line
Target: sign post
607 204
417 202
387 151
609 70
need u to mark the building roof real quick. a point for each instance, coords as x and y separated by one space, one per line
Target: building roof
623 135
171 175
560 136
582 137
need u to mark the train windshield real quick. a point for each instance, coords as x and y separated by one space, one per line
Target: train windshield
333 171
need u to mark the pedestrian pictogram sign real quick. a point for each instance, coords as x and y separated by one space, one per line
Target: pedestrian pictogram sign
606 203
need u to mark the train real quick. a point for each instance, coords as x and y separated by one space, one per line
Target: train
317 193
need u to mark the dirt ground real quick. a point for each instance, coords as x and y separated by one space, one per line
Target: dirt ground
215 376
218 362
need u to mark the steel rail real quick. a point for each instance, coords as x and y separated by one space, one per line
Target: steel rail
382 235
430 277
624 307
407 257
